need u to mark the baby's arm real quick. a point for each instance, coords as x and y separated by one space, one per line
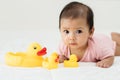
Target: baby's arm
62 58
105 63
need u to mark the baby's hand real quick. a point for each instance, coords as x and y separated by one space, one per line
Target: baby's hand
106 62
62 58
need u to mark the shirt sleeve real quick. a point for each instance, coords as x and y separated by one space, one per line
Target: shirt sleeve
106 47
63 50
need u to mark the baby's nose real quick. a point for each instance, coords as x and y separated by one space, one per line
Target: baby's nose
71 36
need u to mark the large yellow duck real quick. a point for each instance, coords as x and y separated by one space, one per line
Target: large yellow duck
51 62
72 62
31 58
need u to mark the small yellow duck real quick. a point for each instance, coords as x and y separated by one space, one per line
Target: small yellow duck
31 58
72 62
51 62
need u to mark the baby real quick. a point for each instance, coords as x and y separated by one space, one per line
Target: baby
76 26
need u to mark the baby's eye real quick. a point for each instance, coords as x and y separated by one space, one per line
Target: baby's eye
66 31
78 31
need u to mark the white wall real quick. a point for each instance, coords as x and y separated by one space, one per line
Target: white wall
26 21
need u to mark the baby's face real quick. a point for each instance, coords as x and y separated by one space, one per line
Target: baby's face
75 33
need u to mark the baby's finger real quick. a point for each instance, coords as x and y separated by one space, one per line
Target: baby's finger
99 64
102 65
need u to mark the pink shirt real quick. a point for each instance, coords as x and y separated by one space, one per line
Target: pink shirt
99 47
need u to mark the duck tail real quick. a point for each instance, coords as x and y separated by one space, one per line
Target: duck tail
12 59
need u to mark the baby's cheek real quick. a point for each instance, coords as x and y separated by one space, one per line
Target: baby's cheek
66 40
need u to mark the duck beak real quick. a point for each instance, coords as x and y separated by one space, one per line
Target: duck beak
42 52
57 59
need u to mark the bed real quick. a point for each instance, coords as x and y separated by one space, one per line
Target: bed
85 71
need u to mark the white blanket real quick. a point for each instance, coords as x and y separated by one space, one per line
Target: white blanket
85 71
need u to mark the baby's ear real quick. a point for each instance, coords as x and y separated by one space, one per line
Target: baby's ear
92 32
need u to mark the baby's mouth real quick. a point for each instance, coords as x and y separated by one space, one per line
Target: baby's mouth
72 43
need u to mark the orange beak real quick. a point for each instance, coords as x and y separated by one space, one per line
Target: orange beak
42 52
57 59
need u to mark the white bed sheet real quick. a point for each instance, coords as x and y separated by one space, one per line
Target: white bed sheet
85 71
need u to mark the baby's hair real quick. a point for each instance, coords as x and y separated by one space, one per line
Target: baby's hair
75 10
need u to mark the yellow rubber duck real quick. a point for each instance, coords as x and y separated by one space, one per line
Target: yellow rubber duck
51 62
31 58
72 62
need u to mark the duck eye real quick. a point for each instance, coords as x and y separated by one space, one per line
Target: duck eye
35 47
